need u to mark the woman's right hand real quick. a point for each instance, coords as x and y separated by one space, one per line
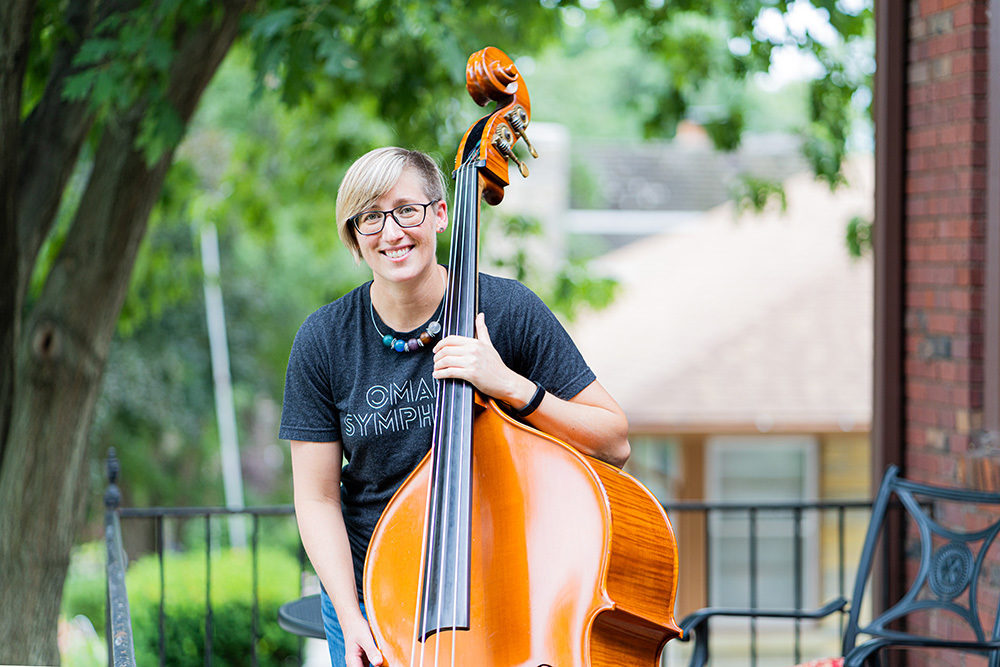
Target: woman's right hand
359 644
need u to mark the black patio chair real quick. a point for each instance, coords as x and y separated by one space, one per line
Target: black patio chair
948 580
302 617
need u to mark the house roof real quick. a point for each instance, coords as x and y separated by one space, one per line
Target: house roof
757 324
683 175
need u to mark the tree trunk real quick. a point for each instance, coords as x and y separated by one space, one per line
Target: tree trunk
51 138
61 357
15 29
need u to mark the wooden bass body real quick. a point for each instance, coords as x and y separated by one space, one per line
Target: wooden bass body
573 562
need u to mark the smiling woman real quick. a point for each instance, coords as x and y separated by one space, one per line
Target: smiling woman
363 371
400 251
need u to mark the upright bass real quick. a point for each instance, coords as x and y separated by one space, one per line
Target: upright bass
507 547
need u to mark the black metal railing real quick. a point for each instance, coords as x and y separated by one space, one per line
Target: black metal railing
121 652
707 515
796 514
158 515
118 621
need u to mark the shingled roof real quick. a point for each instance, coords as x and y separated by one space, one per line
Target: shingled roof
683 175
752 325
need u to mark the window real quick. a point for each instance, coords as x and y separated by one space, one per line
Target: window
654 462
755 469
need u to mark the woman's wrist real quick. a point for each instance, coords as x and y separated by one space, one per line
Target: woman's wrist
523 392
351 617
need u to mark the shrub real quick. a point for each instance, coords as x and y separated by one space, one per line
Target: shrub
83 592
232 607
184 605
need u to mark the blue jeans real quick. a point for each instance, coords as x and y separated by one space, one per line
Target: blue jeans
334 635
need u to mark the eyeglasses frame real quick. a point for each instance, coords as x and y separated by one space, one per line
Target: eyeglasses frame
385 214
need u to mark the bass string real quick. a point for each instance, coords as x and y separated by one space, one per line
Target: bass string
454 301
471 233
456 265
430 509
430 521
464 266
458 278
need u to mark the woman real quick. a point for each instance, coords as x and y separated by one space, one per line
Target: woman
360 386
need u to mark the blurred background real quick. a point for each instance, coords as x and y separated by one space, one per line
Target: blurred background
699 217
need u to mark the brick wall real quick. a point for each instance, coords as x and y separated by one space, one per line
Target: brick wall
945 247
945 222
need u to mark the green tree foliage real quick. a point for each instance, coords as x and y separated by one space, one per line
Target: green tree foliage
695 42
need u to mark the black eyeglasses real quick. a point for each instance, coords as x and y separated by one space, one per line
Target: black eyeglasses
406 215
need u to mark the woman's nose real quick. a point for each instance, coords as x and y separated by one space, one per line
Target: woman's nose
391 229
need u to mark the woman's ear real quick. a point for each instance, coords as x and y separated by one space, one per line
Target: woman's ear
441 216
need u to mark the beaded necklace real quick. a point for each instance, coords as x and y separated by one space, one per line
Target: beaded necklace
414 344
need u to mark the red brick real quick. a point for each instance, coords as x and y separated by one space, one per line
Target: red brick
945 228
958 444
953 372
920 415
966 109
980 39
927 7
915 436
942 43
964 347
969 61
938 393
941 323
964 300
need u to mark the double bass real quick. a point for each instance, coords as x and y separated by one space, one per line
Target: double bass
507 547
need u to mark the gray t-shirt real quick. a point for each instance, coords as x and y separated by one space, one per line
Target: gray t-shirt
344 384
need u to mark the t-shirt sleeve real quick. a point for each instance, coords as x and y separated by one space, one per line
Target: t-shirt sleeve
308 411
543 350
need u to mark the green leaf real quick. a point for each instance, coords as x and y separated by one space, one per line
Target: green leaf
95 50
859 236
160 132
78 86
751 193
272 23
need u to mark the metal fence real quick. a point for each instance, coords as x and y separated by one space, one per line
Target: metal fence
119 627
830 524
118 621
119 634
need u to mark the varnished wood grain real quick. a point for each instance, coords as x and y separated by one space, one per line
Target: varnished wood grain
550 529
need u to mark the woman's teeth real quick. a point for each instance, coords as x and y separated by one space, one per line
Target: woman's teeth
396 253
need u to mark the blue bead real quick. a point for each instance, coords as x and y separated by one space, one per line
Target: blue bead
387 340
399 345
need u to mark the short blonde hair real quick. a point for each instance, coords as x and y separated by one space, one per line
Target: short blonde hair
374 174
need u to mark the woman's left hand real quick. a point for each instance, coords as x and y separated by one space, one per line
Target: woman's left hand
477 361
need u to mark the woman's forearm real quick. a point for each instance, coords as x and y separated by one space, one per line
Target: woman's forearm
321 526
595 430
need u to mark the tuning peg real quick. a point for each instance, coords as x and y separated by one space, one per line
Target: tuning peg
503 145
518 119
502 141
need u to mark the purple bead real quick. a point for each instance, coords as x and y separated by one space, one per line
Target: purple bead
412 345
